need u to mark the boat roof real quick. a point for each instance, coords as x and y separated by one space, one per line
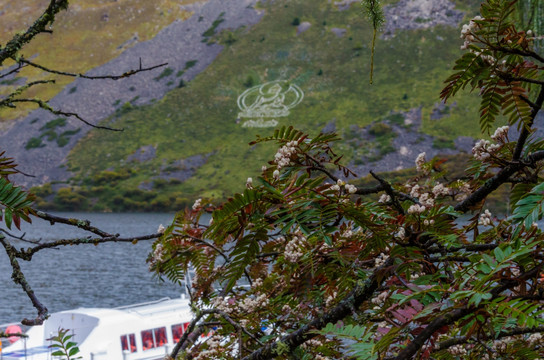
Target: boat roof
154 309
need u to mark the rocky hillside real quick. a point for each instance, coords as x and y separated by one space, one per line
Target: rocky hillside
187 125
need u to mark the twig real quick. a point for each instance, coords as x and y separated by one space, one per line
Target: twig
26 254
83 76
44 105
82 224
21 238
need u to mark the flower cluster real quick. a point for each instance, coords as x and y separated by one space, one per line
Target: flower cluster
380 299
350 189
161 229
157 256
416 209
214 349
222 304
283 156
501 134
502 345
250 304
483 149
440 190
485 218
457 350
420 162
467 32
293 248
198 204
536 339
464 190
384 198
381 259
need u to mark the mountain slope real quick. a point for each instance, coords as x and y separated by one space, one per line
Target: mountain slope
192 143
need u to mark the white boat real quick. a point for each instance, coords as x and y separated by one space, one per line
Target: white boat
136 332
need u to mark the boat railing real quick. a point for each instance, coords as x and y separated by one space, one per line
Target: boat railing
125 307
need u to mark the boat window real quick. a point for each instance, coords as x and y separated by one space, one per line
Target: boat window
153 338
160 336
128 342
178 330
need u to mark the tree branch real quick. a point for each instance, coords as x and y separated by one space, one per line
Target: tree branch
83 76
82 224
500 178
44 105
39 26
354 299
26 254
19 278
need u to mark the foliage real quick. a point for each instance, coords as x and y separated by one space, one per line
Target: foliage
65 348
309 267
14 201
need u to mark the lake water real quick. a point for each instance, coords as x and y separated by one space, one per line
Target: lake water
107 275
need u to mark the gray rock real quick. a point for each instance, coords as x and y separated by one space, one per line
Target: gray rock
303 27
145 153
420 14
339 32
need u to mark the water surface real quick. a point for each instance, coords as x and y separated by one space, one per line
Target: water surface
107 275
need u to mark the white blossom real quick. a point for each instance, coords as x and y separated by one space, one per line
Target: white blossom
467 32
384 198
292 250
161 229
283 156
500 134
440 190
249 183
420 161
416 209
485 218
198 204
381 259
276 174
457 350
380 299
351 188
335 187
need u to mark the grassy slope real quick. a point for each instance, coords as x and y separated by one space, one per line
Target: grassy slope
201 117
89 34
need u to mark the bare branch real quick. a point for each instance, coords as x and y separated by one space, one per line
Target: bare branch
39 26
26 254
82 224
83 76
44 105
